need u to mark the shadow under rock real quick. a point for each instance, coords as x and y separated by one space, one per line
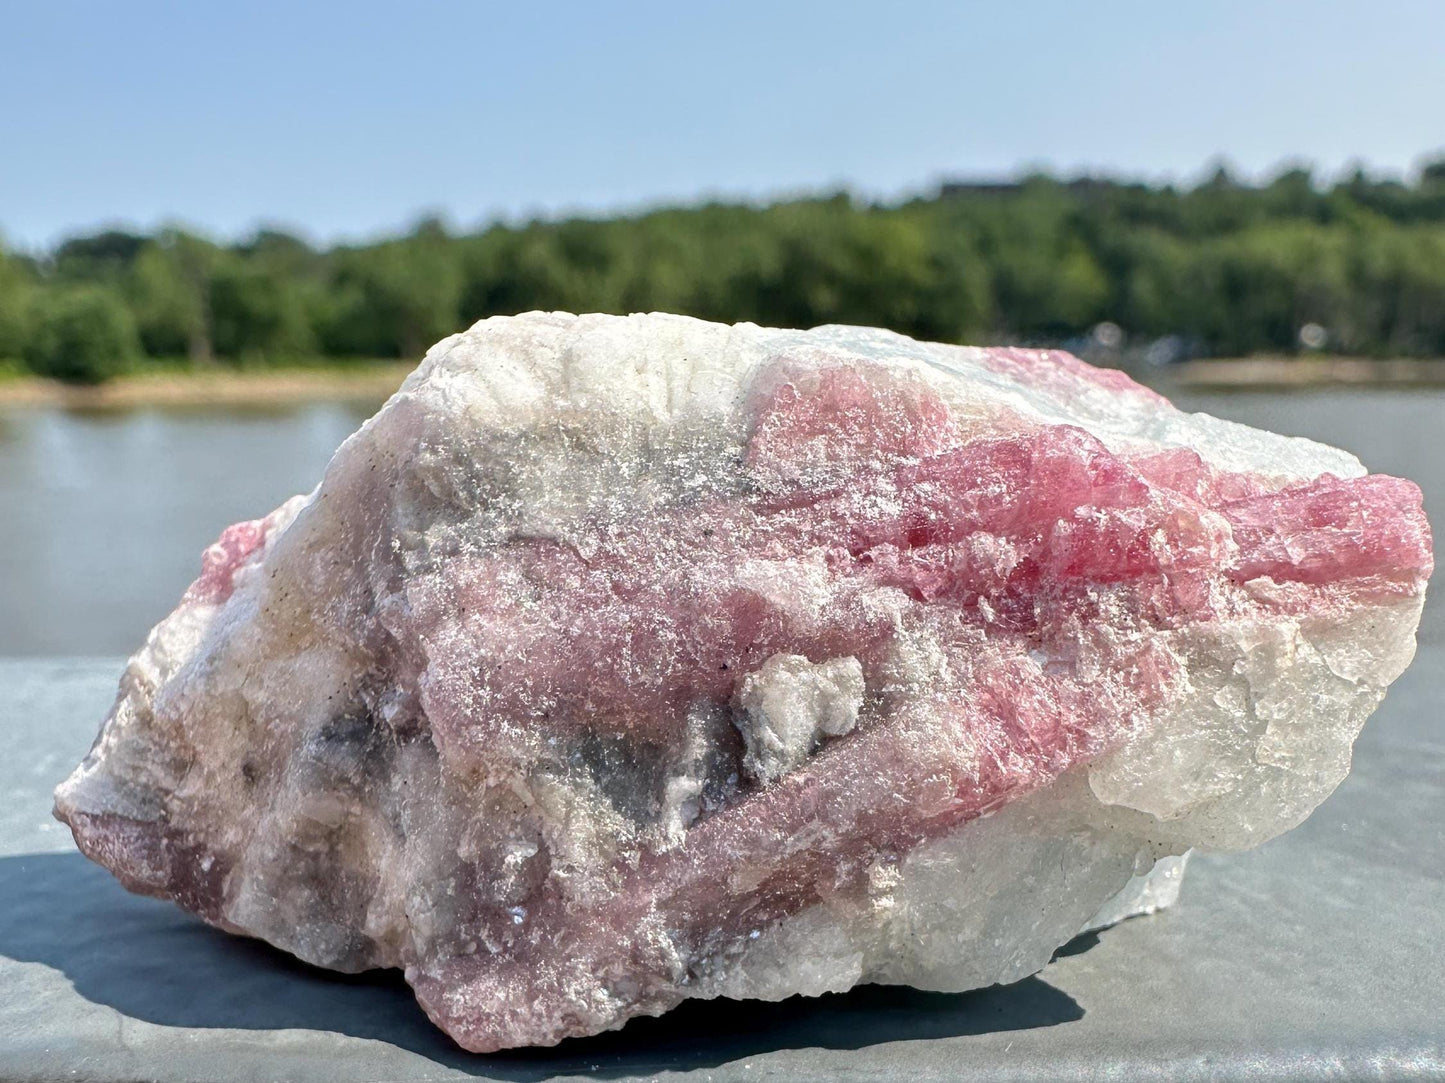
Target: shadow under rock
1080 944
150 961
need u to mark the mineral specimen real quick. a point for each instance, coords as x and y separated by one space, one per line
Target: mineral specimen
619 661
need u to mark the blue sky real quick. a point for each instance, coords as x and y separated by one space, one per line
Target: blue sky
351 119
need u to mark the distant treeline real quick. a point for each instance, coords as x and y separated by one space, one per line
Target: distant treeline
1223 268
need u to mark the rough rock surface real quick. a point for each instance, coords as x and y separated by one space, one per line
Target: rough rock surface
619 661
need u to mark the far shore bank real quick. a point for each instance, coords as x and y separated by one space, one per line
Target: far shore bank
1286 373
371 382
374 381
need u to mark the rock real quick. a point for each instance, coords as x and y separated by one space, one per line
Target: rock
789 705
619 661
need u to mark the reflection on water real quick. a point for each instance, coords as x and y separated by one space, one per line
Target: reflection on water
103 516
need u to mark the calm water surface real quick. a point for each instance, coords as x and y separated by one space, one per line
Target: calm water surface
103 516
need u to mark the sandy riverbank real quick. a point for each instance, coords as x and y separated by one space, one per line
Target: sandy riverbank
1286 373
373 382
271 387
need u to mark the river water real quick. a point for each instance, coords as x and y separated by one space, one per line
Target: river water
103 516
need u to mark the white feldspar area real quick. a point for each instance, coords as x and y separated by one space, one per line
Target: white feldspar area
987 904
622 660
789 705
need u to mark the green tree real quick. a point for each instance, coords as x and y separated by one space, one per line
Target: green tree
17 289
103 257
396 298
257 314
169 289
1234 267
82 334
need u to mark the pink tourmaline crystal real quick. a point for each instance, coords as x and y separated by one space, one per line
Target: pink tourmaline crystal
618 661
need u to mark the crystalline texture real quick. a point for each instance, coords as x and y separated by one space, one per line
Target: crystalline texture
618 661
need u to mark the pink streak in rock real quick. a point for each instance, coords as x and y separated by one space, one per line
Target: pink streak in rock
150 858
1332 529
842 418
221 560
1063 374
